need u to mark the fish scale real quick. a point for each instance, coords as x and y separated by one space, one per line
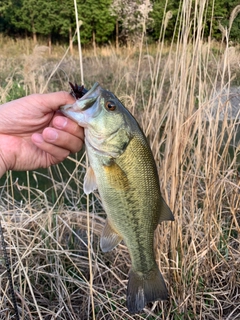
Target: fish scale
123 170
136 203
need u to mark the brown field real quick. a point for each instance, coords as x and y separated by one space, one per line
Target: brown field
181 94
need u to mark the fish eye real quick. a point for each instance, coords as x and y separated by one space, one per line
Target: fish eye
110 105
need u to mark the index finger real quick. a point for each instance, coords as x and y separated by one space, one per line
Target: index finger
53 101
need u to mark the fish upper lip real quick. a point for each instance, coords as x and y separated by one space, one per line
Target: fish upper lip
88 102
79 106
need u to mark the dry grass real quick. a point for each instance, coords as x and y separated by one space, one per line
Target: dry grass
182 99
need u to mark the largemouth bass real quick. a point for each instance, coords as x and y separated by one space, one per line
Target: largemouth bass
123 170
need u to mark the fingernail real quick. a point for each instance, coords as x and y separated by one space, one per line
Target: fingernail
51 134
60 122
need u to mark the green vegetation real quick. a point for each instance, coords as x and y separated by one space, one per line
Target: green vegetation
120 21
177 89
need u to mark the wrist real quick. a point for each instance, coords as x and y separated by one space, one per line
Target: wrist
3 167
6 154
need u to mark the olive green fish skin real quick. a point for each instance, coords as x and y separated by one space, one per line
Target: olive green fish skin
126 176
133 207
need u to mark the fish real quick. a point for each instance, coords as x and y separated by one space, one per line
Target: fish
123 170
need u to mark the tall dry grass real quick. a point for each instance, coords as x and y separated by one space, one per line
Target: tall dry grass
182 99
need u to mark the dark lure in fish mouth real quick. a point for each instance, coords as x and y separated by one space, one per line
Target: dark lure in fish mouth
77 91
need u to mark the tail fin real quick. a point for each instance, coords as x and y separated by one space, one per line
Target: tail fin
144 288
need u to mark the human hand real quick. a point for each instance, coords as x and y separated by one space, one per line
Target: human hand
34 134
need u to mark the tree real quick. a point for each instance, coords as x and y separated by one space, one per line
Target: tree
215 13
4 19
232 20
157 16
47 20
24 14
132 17
98 24
67 21
35 16
126 19
235 25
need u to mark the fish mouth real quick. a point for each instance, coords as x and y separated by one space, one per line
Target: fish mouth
80 110
85 102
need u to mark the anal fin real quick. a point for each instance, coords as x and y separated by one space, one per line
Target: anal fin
110 238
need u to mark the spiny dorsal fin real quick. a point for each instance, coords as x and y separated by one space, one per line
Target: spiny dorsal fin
110 238
90 183
165 214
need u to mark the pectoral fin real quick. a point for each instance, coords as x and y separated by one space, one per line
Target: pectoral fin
89 184
110 238
116 177
165 214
